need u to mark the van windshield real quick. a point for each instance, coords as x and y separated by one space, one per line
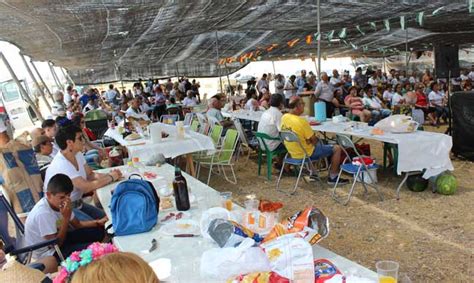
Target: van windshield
10 91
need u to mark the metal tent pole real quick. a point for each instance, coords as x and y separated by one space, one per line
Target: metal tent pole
35 81
41 79
21 88
228 79
217 61
56 80
274 70
406 50
319 38
66 75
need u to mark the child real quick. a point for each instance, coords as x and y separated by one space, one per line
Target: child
52 217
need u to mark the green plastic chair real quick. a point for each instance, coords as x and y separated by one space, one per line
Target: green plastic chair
216 133
262 137
195 125
222 157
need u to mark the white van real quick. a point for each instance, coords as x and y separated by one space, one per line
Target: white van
19 112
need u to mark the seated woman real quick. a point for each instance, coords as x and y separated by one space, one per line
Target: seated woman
422 103
398 102
438 102
356 106
264 100
251 102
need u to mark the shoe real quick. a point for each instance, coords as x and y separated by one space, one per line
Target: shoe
332 181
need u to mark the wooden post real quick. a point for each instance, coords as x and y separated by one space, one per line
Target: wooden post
35 81
21 88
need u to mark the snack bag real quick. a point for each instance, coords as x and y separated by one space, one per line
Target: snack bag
291 257
310 224
228 233
259 277
324 270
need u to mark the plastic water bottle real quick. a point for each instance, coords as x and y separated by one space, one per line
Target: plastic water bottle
130 170
139 167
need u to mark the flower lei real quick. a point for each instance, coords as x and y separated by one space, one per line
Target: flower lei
81 258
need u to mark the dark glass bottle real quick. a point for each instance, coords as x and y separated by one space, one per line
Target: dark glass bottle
180 188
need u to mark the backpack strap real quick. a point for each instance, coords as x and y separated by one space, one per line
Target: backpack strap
137 175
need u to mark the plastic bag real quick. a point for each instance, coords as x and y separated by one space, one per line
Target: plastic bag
291 257
228 233
224 263
397 124
259 277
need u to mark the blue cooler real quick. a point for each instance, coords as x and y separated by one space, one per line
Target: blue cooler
320 111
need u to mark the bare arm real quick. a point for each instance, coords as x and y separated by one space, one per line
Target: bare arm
88 224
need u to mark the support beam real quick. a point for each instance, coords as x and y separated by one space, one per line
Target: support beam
217 61
55 77
319 38
66 75
21 88
35 81
228 79
41 79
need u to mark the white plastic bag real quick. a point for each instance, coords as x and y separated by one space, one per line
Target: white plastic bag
291 257
224 263
397 124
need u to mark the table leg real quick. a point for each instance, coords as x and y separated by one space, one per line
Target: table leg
190 164
407 174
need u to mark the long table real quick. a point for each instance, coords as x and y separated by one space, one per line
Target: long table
417 151
185 253
170 147
244 114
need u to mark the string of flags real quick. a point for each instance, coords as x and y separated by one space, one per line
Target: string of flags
340 36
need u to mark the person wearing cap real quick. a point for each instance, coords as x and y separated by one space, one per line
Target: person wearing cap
312 146
42 146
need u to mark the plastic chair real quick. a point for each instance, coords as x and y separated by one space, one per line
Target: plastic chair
264 150
215 134
195 125
355 170
290 137
213 120
243 138
97 122
222 157
169 118
14 245
201 118
188 119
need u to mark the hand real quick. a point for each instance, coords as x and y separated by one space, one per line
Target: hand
116 174
66 209
101 222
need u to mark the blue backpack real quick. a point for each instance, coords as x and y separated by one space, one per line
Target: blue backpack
134 206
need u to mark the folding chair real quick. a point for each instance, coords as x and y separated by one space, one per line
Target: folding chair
195 125
169 119
15 245
243 138
222 157
213 120
290 137
201 118
215 134
355 170
97 122
188 119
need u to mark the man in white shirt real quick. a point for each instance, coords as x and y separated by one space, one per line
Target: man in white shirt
279 84
134 111
189 100
290 89
262 83
336 81
70 161
52 218
68 95
111 96
270 122
214 111
374 104
325 92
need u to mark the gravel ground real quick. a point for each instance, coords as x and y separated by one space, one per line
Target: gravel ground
431 235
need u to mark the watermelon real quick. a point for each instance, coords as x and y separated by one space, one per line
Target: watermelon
417 183
446 184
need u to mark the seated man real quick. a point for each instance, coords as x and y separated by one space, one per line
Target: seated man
310 142
377 108
71 162
52 217
270 124
135 112
42 146
215 112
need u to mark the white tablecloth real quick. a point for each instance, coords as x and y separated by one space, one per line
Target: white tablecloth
416 151
244 114
170 147
185 253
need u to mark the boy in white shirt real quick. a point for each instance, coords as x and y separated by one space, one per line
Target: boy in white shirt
52 218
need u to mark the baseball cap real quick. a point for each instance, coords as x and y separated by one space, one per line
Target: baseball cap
39 140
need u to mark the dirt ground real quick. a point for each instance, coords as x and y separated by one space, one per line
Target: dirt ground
430 235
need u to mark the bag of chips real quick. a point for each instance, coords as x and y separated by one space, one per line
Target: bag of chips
324 270
228 233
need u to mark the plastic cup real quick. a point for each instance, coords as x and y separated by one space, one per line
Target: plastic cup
387 271
251 204
226 200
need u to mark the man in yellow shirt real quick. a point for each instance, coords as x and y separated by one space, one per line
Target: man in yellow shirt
310 142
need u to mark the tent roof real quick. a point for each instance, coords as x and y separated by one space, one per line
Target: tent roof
99 41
